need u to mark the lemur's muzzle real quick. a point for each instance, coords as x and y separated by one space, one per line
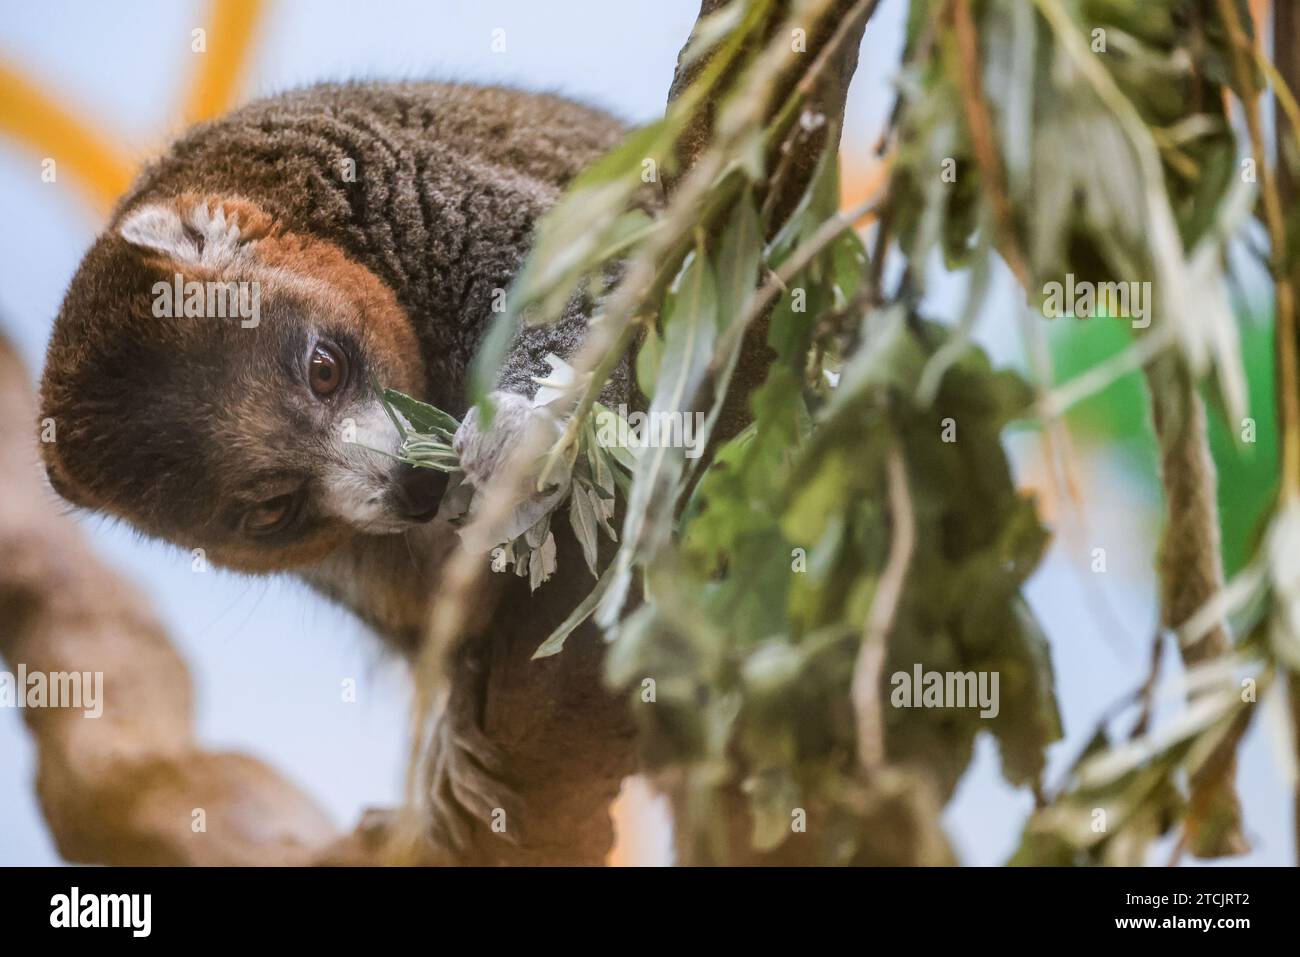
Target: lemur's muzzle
417 492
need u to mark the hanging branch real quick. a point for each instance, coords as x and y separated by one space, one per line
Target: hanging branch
1191 574
1190 566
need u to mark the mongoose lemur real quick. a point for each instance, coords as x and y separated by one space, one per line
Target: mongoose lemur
378 224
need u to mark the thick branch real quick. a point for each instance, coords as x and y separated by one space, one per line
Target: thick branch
1191 574
122 788
836 40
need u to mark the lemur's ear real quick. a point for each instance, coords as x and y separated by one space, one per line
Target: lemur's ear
194 232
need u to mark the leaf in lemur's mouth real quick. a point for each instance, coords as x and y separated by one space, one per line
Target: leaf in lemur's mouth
589 487
426 432
424 418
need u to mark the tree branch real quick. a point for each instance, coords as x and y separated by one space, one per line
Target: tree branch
896 815
1191 574
874 648
126 787
823 87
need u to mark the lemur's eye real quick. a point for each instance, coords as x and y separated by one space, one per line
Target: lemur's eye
327 370
270 516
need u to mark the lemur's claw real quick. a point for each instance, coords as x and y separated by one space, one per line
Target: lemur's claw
467 786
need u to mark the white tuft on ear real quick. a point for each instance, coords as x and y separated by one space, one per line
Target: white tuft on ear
202 237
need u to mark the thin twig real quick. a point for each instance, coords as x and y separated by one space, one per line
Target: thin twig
799 260
874 647
1288 366
1148 692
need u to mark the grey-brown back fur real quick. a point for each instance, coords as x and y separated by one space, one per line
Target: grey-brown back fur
450 181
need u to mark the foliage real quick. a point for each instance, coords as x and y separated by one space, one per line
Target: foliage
755 571
1061 137
586 486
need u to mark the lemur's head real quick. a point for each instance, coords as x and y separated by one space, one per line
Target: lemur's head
210 380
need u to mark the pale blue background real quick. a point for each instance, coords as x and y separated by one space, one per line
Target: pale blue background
268 658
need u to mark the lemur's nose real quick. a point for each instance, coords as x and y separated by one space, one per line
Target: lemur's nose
418 491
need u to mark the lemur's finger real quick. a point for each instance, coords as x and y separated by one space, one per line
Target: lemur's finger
477 747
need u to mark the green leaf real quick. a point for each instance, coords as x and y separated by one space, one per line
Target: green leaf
610 423
554 643
648 358
592 220
690 330
585 525
423 417
739 256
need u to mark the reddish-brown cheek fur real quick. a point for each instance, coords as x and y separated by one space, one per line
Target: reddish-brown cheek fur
359 300
369 309
252 557
363 303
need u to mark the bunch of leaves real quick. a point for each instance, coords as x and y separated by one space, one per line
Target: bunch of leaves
1126 791
1118 163
425 430
751 657
751 623
586 486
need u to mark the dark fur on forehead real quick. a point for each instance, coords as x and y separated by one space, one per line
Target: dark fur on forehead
129 393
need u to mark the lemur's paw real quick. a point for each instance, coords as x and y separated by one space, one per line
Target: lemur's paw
483 453
467 787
